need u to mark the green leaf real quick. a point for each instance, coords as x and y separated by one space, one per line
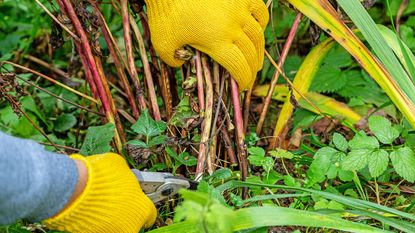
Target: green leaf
321 164
328 79
340 142
403 160
157 140
281 154
256 151
383 130
65 122
356 160
267 164
148 127
137 143
97 139
362 141
378 162
186 159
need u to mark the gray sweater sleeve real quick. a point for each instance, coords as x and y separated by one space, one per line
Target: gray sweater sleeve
34 183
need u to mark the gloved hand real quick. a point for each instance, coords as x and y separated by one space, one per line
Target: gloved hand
229 31
112 200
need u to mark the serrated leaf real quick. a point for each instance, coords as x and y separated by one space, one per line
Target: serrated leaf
403 160
97 139
280 153
321 164
362 141
340 142
64 122
148 127
328 80
356 160
157 140
383 130
345 175
137 143
186 159
256 151
378 162
255 160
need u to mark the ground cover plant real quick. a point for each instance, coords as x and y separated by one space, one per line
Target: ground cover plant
324 142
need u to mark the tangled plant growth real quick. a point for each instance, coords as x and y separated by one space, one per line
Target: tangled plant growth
330 144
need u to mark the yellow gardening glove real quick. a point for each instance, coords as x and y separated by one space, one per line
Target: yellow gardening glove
229 31
112 201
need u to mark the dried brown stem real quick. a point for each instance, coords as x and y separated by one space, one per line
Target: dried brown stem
58 97
199 75
204 159
16 106
277 73
57 21
147 70
52 81
47 65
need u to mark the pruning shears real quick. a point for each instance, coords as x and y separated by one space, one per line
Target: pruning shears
159 186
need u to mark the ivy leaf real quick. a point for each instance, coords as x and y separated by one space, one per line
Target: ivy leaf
137 143
383 130
321 164
379 160
340 142
148 127
403 160
356 160
362 141
97 139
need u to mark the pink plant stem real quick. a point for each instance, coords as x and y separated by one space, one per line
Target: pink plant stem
86 49
241 146
274 81
118 65
204 160
247 105
130 55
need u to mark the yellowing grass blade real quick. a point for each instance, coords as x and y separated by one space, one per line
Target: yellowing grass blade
301 84
323 14
327 105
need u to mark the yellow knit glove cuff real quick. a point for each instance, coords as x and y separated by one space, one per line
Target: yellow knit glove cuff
230 31
112 200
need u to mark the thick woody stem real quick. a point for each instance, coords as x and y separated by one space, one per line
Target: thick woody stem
96 71
199 75
204 159
274 81
130 55
117 62
147 71
240 136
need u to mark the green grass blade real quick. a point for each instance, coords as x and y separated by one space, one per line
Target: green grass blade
368 28
256 217
351 202
400 49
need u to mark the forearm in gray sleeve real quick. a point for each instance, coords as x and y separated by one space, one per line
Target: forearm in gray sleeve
34 183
